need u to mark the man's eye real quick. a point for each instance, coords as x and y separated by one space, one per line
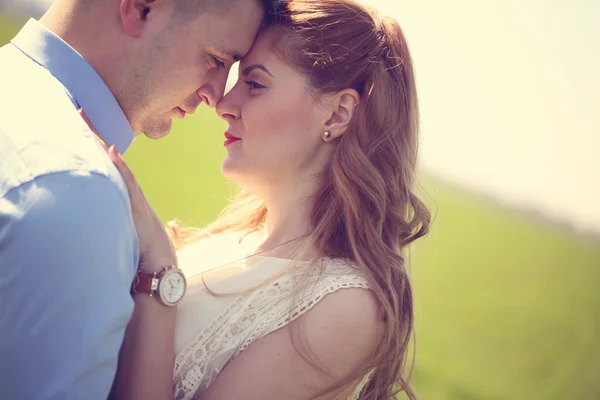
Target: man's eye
219 63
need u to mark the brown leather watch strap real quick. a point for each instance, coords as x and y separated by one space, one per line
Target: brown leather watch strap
142 283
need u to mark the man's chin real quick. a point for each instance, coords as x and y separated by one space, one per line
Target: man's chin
158 129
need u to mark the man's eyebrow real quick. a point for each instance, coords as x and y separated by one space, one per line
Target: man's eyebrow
229 53
252 67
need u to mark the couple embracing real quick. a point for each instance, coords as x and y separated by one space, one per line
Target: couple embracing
299 290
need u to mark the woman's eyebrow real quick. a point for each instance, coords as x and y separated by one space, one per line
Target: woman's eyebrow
252 67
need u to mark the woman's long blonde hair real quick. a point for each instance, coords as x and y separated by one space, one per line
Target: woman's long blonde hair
365 209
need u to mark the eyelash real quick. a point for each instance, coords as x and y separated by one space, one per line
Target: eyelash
254 85
220 64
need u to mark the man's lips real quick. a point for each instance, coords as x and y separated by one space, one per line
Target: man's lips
229 139
188 110
183 111
180 112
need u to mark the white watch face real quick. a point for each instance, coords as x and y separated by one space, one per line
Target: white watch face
172 287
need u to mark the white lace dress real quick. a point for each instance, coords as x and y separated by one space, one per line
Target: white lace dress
214 329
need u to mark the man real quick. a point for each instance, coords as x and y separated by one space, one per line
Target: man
68 247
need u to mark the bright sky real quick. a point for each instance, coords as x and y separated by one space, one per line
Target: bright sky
510 98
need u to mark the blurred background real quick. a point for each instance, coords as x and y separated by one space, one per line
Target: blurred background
507 283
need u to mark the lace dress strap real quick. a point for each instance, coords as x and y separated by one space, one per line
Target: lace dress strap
337 274
254 315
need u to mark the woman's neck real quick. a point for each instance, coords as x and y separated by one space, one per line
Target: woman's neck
288 224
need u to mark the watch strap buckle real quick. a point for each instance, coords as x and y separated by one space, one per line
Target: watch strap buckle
144 283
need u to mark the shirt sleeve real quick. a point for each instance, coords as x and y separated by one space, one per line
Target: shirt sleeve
68 254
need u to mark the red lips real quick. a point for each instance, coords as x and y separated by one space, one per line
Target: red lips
229 139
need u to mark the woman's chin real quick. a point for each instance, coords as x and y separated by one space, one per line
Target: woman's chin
228 167
241 177
231 172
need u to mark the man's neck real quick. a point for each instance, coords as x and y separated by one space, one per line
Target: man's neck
74 23
61 19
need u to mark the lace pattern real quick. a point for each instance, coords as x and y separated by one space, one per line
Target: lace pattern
254 315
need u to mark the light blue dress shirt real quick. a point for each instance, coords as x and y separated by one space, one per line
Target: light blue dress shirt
68 246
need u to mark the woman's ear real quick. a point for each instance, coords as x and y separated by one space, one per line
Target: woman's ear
134 14
342 107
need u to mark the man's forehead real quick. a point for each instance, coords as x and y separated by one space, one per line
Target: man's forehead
231 45
232 33
235 45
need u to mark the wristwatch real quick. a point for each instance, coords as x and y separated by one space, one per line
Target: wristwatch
167 286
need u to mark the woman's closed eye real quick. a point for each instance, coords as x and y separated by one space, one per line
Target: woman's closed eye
254 85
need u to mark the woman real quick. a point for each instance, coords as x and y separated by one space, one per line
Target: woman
300 289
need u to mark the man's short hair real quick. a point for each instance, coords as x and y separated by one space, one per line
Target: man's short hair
190 9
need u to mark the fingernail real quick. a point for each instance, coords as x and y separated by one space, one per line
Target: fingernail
112 152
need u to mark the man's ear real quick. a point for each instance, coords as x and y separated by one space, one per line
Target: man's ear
134 14
342 106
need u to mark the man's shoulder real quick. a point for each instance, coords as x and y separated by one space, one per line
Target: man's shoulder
41 131
20 75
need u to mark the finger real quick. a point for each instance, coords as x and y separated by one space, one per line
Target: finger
87 120
92 127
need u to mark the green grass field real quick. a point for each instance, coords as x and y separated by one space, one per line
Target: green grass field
507 307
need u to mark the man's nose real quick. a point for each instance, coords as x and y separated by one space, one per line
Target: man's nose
212 92
207 95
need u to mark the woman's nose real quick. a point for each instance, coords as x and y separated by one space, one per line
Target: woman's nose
227 109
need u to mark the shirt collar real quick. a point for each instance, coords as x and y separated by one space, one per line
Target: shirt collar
86 88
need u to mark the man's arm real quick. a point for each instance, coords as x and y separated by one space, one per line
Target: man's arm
67 257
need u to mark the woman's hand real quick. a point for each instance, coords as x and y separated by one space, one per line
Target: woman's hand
156 249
